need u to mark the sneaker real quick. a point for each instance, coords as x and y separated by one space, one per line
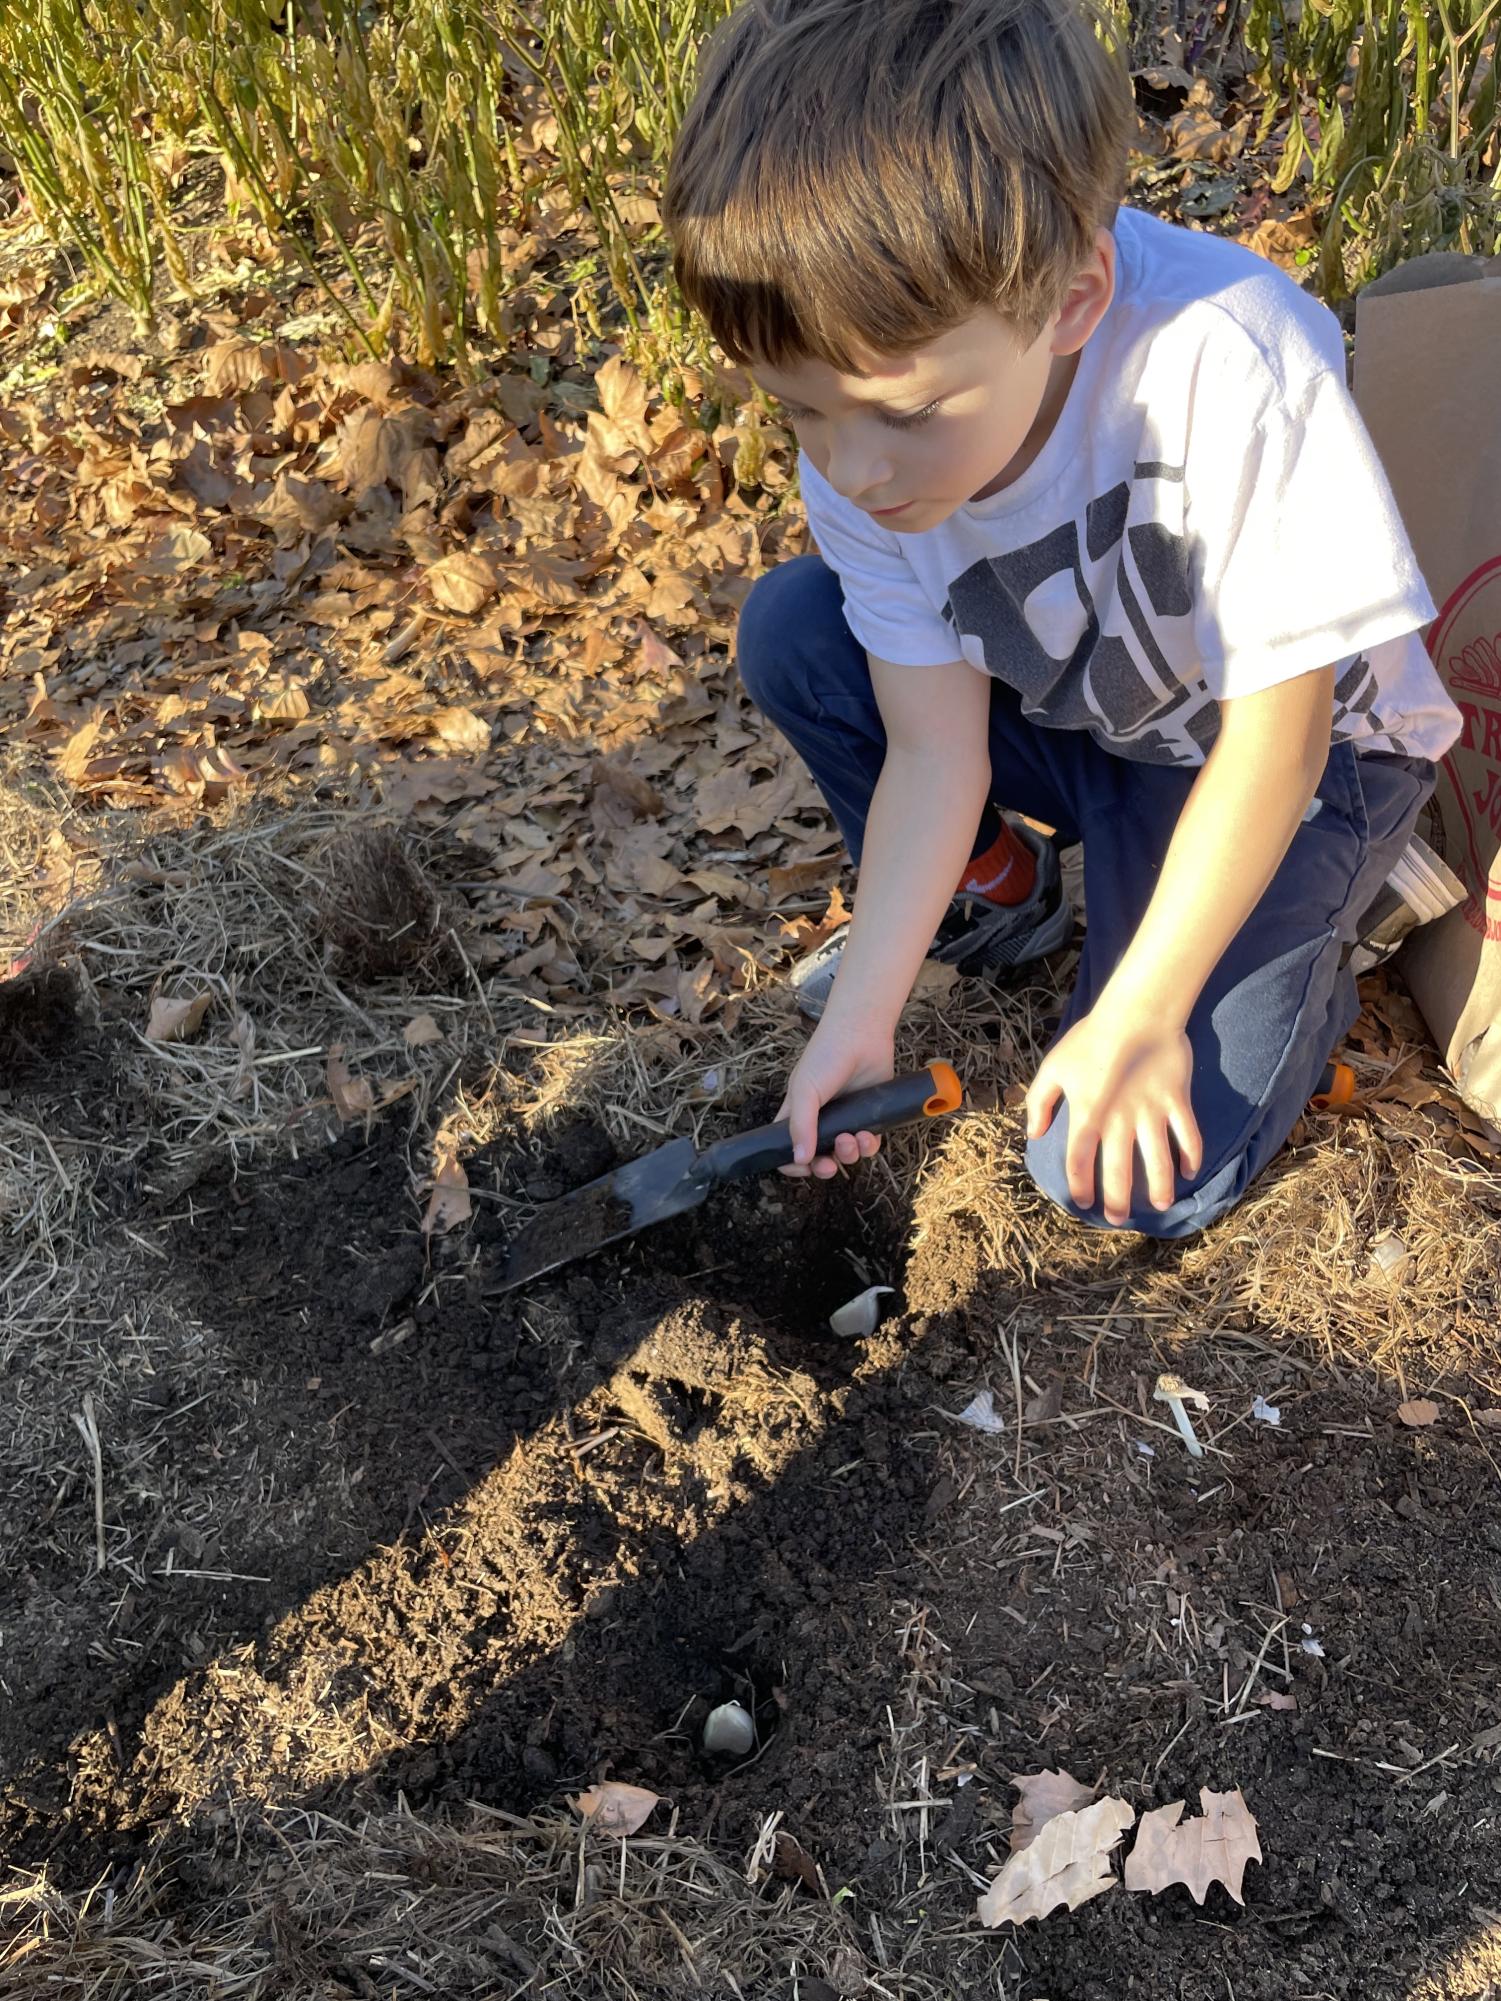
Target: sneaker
976 936
1418 890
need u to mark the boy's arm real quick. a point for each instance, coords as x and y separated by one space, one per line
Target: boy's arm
1126 1068
924 817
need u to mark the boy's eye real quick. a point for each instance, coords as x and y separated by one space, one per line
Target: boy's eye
911 420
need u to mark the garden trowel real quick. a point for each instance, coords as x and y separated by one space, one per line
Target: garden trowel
678 1177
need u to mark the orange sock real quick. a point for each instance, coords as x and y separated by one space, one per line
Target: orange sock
1005 872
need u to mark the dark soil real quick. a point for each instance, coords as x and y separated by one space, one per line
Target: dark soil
457 1548
571 1227
38 1021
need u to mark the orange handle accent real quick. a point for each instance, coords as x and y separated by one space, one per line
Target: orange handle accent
948 1092
1339 1089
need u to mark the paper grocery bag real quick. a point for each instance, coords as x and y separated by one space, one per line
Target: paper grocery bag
1428 382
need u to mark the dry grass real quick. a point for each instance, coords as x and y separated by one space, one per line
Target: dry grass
491 1905
240 912
646 1084
1294 1261
378 909
1297 1256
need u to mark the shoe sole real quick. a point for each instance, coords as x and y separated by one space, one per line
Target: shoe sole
1051 935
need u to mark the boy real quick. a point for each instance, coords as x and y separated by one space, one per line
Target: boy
1103 543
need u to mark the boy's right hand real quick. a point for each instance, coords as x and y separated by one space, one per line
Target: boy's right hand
840 1057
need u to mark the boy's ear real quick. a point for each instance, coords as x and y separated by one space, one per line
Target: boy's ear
1087 299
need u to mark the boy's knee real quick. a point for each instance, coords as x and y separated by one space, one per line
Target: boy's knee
1199 1202
786 612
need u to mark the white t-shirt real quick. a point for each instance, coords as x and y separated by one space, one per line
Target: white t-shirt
1208 518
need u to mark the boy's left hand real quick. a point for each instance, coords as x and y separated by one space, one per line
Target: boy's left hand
1127 1085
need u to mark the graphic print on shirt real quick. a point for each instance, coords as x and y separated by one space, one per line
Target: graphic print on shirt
1092 625
1077 621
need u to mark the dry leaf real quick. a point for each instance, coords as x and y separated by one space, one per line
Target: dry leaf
731 799
176 1020
612 1808
1044 1795
935 980
352 1096
420 1031
1195 132
1418 1411
174 548
285 702
797 877
628 795
464 582
792 1862
1215 1849
1285 243
1273 1698
1067 1863
462 729
450 1203
230 366
78 752
622 395
804 935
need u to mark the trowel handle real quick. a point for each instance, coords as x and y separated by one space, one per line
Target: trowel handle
926 1094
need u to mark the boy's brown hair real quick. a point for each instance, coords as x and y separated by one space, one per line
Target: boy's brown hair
862 175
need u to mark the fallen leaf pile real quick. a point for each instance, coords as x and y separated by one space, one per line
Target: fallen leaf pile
1062 1848
503 610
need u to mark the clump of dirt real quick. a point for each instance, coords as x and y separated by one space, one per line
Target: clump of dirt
379 911
583 1222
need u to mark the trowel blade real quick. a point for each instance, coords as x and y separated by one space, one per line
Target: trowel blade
629 1198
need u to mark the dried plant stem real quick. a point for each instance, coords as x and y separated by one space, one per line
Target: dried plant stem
88 1428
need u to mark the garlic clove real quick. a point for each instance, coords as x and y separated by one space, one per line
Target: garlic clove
860 1316
730 1731
980 1414
1391 1260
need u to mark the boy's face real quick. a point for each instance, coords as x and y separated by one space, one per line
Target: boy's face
911 440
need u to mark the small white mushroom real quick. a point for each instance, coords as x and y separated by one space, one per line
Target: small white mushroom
1173 1391
860 1316
730 1731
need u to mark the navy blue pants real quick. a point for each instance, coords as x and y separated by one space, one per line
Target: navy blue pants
1280 999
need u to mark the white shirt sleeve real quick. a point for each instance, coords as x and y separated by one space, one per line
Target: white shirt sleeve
885 606
1302 557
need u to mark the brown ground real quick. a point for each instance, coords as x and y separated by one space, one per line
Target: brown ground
384 1541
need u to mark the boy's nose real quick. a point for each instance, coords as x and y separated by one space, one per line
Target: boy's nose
858 474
